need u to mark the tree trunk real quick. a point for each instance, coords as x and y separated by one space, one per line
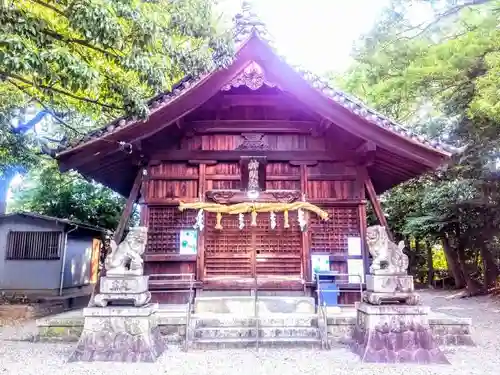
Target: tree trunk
489 266
453 263
473 286
5 181
417 254
430 265
411 256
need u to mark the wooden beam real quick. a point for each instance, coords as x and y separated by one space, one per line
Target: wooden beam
225 177
331 177
366 152
311 163
306 240
238 126
362 232
372 196
129 206
200 261
207 162
181 155
248 100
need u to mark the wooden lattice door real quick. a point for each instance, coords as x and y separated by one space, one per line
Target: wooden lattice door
228 252
277 251
253 251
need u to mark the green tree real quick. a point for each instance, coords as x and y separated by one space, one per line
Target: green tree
91 61
440 77
67 195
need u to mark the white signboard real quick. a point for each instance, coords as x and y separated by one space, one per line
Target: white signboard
353 245
188 243
355 267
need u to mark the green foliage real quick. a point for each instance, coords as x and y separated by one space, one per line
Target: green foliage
105 58
439 258
47 191
441 78
94 61
98 59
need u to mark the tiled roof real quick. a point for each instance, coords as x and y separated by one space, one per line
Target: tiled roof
246 24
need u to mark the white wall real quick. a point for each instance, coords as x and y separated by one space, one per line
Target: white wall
27 274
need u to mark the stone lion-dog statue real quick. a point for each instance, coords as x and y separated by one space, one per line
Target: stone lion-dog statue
126 258
388 258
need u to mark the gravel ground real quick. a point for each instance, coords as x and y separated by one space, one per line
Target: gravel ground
21 357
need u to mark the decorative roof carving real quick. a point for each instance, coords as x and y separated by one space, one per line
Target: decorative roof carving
285 196
233 196
253 77
221 196
253 142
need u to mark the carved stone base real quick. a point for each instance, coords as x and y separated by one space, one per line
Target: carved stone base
122 289
374 298
119 334
395 334
389 283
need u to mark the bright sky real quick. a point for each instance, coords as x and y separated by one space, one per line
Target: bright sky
317 34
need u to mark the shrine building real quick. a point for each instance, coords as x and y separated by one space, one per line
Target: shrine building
236 170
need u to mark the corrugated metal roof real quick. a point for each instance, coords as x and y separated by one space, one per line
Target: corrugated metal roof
53 219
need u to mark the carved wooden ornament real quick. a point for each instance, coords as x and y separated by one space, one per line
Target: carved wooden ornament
253 77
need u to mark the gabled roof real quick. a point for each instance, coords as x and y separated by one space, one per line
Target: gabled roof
247 25
33 215
254 48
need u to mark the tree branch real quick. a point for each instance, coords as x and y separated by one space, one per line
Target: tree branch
60 91
441 16
81 42
22 89
48 6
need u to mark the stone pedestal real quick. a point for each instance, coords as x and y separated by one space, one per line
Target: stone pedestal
120 334
390 288
395 334
123 289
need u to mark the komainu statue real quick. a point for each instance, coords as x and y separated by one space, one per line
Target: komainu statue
388 258
126 258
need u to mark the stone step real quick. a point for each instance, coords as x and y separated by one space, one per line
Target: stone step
247 332
245 305
267 342
268 320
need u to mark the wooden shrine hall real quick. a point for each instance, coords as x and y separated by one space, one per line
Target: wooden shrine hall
236 171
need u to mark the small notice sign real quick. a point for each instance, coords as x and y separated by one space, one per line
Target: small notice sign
188 243
353 246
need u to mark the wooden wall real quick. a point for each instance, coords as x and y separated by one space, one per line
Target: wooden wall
336 185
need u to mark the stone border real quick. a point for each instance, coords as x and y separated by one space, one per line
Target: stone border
446 330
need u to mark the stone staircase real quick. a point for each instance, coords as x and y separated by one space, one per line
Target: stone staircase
231 322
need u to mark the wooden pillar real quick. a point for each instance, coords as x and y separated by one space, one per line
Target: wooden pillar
362 233
200 258
306 243
376 205
129 206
